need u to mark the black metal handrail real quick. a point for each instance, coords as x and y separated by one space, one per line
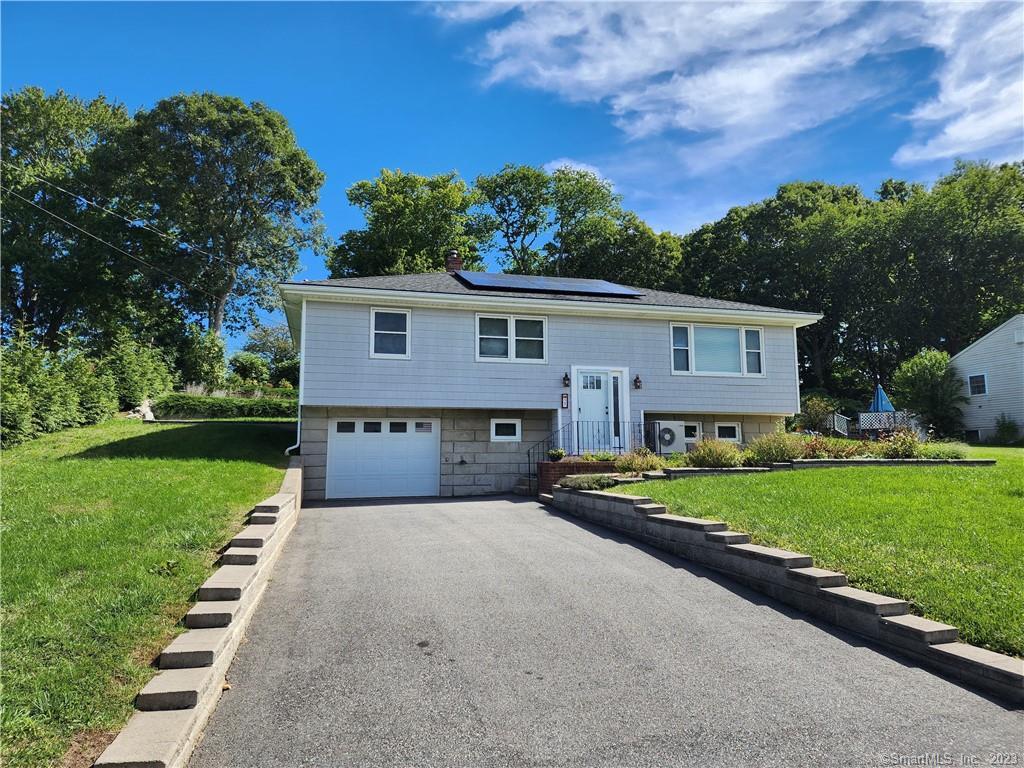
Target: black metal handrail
580 437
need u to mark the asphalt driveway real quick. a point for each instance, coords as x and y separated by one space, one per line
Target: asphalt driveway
498 633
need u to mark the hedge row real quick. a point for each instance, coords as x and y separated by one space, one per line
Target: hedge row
181 406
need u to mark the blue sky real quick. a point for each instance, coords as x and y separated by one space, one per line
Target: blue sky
687 108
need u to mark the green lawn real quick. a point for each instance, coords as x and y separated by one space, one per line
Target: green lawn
107 532
949 539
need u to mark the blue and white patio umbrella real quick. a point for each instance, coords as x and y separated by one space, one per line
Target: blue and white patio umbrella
880 402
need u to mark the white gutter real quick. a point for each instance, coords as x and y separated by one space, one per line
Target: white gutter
302 379
496 301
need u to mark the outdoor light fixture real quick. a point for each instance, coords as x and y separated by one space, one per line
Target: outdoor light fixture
566 381
637 384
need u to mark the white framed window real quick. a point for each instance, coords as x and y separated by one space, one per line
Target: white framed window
506 430
511 338
730 431
681 348
716 350
977 384
390 335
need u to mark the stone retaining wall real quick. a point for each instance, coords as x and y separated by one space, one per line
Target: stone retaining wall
550 472
791 578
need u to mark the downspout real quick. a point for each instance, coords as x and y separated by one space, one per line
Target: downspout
302 380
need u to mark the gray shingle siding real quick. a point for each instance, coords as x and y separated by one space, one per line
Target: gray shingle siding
443 371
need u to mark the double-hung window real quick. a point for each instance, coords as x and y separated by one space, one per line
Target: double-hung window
721 350
389 333
511 338
977 383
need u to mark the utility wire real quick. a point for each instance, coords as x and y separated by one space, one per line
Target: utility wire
138 222
109 245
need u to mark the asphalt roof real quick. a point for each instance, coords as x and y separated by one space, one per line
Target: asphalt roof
446 283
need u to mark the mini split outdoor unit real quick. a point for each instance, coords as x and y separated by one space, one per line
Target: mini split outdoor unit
671 436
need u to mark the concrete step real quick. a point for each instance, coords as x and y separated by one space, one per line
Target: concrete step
194 648
241 555
920 629
149 740
727 537
818 577
279 503
175 689
1007 670
227 582
651 509
869 602
773 555
254 536
695 523
209 614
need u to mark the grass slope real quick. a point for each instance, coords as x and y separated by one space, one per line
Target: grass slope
107 532
948 539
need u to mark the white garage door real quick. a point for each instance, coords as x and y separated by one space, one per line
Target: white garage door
369 458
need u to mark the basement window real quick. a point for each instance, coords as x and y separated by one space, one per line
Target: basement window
506 430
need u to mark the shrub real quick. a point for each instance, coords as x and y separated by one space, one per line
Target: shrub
202 357
176 405
715 453
677 459
53 400
599 456
944 451
901 444
587 482
930 388
815 411
1006 430
97 395
556 454
138 371
16 422
287 371
766 450
639 460
819 447
250 367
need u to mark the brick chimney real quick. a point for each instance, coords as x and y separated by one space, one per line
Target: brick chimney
452 261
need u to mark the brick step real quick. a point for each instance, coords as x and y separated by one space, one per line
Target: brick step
919 629
241 555
175 689
227 582
772 555
194 648
869 602
254 536
817 577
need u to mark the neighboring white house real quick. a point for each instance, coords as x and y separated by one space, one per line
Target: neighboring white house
440 383
992 369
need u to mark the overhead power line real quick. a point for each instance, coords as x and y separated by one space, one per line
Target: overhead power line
142 261
136 222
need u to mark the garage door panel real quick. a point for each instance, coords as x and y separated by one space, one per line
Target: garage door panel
403 458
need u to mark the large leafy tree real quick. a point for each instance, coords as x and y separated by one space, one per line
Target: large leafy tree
273 343
518 197
229 179
584 211
928 386
412 223
56 279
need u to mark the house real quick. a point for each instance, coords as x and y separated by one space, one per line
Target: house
440 383
992 369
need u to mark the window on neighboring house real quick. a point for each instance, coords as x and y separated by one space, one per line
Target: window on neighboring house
681 348
729 431
511 338
506 430
717 350
389 333
978 384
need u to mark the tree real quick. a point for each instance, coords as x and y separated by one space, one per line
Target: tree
273 343
54 276
202 360
584 209
228 178
518 196
929 387
250 367
412 222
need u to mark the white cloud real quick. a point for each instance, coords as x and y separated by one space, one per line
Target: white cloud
726 80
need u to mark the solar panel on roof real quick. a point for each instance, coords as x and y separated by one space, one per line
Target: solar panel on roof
496 281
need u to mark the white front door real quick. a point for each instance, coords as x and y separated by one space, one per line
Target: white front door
594 411
383 457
